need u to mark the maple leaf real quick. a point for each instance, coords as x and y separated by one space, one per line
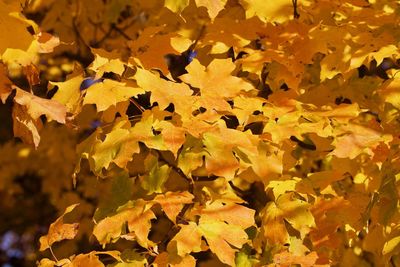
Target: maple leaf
136 215
215 80
277 11
106 62
90 259
329 214
220 145
163 92
173 136
157 175
281 187
14 30
27 112
173 202
237 35
37 106
119 194
176 6
287 259
278 102
222 224
230 213
320 180
131 258
5 84
191 156
389 92
184 245
213 6
68 92
288 208
25 127
220 236
47 42
59 231
118 147
356 139
108 93
166 259
144 51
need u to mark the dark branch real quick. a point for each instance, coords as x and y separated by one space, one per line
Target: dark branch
296 15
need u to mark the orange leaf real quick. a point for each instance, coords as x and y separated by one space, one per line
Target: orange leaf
231 213
287 259
173 202
25 127
5 84
59 231
183 245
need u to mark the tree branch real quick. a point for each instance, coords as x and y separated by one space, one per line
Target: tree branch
296 15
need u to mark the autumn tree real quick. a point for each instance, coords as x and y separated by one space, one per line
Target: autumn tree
201 133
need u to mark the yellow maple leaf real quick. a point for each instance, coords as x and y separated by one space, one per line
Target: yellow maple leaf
215 80
213 6
68 92
162 91
59 230
136 215
108 93
26 115
272 11
286 208
220 236
14 33
176 5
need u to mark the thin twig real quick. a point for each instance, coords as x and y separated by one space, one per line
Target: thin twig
296 15
133 101
180 217
121 32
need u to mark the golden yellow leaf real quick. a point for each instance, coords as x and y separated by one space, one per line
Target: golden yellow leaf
68 92
213 6
14 33
220 236
59 231
108 93
271 11
176 5
163 92
215 80
136 215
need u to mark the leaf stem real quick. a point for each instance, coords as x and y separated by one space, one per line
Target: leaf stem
52 253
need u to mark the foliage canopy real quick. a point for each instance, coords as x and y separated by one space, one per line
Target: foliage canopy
208 132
